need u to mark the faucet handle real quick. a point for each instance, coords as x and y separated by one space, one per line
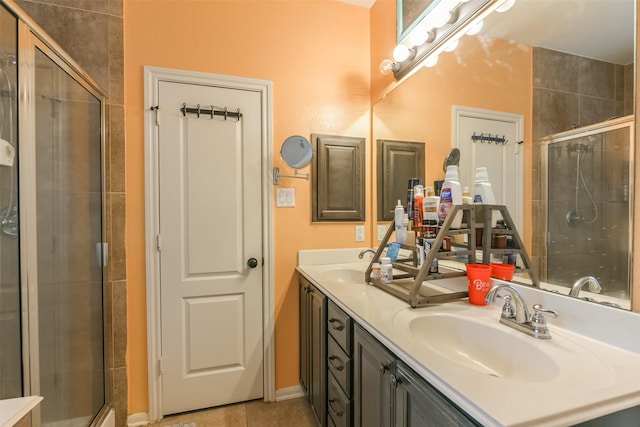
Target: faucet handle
507 308
539 311
538 322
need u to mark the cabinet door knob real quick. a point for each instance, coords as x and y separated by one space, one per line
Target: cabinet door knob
383 368
336 413
336 324
337 366
394 381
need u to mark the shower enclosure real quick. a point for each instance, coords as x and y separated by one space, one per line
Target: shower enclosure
588 182
52 255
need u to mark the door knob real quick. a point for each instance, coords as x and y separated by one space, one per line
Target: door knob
252 263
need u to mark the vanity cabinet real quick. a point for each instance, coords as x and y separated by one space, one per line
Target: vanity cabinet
389 393
313 309
372 375
339 366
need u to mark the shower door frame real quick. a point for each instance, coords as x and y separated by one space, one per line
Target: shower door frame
598 128
31 38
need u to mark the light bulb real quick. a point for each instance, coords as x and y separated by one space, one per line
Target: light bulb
420 36
401 53
475 28
387 66
431 61
440 17
506 5
451 45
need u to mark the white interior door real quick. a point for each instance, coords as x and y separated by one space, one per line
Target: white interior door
210 227
504 161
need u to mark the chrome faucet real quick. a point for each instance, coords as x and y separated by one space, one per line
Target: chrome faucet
521 320
594 286
364 251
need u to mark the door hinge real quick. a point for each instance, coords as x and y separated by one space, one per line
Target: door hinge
156 108
102 252
158 243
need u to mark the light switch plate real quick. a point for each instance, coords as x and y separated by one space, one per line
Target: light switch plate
359 233
285 197
382 230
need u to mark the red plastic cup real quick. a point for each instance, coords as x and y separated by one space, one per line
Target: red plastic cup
479 276
502 271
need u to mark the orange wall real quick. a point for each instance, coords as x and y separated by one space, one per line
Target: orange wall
316 53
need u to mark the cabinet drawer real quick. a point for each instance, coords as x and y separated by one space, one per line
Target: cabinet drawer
338 406
339 364
339 327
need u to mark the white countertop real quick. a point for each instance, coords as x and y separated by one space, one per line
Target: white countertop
494 401
12 410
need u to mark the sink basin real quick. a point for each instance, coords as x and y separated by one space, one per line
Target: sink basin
484 348
344 275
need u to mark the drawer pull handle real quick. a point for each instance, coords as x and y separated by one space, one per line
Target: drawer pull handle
336 324
336 413
337 367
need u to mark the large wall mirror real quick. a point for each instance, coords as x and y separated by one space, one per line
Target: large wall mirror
567 68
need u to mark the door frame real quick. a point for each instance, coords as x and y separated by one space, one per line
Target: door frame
518 120
152 77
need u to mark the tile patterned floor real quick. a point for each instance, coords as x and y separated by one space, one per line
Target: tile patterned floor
256 413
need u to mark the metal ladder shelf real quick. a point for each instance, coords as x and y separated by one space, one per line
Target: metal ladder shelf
408 286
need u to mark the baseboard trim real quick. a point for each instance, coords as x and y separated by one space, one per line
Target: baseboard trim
139 419
289 393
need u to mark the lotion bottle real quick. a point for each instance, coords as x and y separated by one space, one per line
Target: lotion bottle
398 215
430 205
450 195
483 193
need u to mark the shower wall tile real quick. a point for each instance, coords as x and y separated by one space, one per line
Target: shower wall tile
619 109
594 110
596 78
120 395
117 246
558 111
116 8
556 71
629 89
116 61
619 82
82 34
119 323
116 149
536 134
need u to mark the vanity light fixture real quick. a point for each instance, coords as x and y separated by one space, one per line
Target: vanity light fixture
440 31
476 28
451 45
506 5
431 61
401 53
387 66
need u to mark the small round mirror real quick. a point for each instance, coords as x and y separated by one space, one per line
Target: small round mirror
296 151
453 158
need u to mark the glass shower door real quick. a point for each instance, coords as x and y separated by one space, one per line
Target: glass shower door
69 210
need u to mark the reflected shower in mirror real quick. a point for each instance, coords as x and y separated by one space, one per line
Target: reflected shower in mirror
576 74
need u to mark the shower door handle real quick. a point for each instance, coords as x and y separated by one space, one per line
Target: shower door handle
102 252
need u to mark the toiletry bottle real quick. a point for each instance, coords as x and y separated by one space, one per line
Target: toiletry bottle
386 271
412 183
430 204
482 191
418 212
428 241
375 272
404 230
398 215
450 195
466 196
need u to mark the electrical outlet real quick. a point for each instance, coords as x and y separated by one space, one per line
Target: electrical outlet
382 230
359 233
